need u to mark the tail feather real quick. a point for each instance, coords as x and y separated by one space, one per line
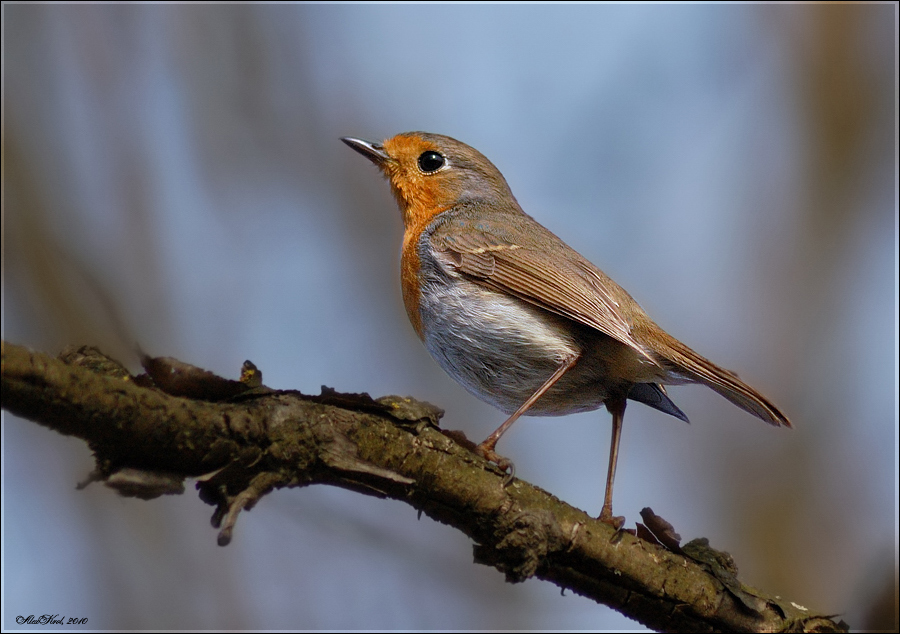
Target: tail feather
701 370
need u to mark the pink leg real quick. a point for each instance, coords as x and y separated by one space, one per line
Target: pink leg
486 448
617 408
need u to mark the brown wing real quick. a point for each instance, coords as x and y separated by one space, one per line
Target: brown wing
544 271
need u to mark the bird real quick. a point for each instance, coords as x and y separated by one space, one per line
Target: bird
518 317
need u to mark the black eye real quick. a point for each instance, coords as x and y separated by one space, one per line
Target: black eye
430 162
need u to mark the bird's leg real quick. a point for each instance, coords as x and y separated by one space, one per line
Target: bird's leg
616 407
486 448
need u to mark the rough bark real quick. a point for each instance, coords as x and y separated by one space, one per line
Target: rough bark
241 440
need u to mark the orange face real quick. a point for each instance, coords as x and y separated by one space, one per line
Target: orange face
430 173
421 194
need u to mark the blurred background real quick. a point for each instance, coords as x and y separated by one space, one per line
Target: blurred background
172 176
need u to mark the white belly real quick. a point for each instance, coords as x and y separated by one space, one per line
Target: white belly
502 349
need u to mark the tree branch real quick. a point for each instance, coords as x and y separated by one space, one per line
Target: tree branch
241 440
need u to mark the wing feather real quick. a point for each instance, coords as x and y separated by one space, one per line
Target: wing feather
569 286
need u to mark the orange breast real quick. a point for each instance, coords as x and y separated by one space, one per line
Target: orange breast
409 279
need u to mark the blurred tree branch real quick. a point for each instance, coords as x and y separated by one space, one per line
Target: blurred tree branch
241 440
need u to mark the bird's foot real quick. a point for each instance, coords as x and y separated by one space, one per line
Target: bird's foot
616 521
487 452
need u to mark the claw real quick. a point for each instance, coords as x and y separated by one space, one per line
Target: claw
505 464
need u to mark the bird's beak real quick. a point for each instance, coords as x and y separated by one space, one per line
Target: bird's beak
372 151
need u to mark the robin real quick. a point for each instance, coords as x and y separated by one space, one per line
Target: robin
518 317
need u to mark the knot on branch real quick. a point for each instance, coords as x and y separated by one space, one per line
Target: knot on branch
521 544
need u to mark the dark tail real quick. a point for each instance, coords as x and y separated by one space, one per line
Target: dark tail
655 396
